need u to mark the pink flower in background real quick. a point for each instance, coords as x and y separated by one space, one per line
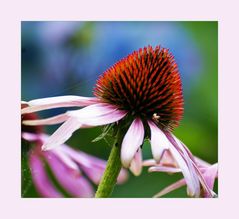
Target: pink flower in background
74 170
168 165
143 94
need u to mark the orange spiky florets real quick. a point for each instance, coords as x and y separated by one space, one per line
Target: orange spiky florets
147 84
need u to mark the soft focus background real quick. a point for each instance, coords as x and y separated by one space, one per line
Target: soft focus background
66 58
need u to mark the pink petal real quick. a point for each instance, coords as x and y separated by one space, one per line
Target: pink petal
201 163
185 163
92 166
132 141
159 142
30 136
210 175
164 169
40 178
123 176
198 168
136 163
56 102
64 158
97 114
170 188
149 162
104 119
48 121
74 183
62 134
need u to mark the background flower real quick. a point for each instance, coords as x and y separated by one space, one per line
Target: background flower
62 58
62 172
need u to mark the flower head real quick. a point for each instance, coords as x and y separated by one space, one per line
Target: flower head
147 85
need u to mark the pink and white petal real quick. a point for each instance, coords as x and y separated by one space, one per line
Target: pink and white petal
164 169
80 157
168 159
185 163
131 142
159 142
56 102
203 182
97 114
170 188
211 174
201 163
31 136
198 168
94 173
72 166
48 121
136 163
92 166
95 110
62 134
74 183
123 176
40 178
149 162
104 119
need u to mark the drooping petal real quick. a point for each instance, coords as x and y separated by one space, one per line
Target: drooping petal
159 142
210 175
92 166
185 163
136 163
197 166
48 121
149 162
171 188
201 163
31 136
74 183
97 114
164 169
104 119
56 102
68 162
132 141
123 176
40 179
62 134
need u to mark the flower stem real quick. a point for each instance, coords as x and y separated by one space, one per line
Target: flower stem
112 170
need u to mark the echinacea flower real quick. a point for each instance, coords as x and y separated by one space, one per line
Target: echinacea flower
169 165
142 93
73 169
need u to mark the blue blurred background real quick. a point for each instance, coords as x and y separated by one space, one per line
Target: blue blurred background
66 58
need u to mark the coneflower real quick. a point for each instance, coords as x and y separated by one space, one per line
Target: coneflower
141 95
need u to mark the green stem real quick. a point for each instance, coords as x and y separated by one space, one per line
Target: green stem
112 170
